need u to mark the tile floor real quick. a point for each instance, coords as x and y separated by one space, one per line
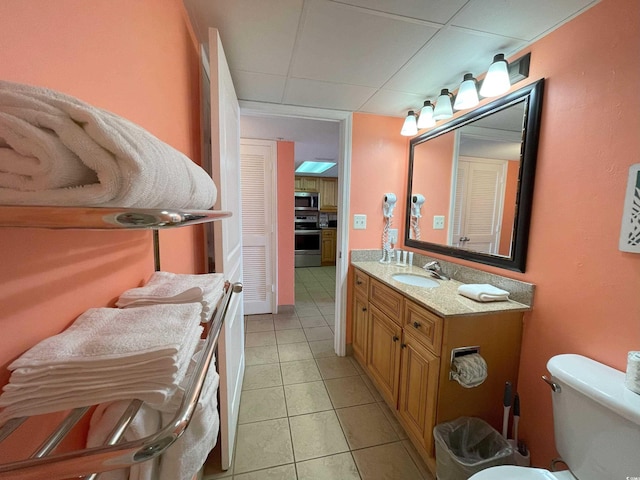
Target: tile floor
305 413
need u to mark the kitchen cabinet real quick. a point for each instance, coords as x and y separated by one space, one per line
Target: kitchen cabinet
406 349
307 184
328 194
328 250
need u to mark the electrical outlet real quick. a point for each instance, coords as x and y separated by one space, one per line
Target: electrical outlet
438 222
359 222
393 235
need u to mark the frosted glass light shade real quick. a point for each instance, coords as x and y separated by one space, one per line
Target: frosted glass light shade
443 108
426 120
496 82
409 128
467 96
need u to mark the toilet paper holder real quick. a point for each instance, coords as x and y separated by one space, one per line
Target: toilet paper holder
460 352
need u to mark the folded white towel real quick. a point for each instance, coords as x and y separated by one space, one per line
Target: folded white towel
167 287
58 150
483 292
145 423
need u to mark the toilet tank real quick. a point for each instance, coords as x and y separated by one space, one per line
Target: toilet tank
596 419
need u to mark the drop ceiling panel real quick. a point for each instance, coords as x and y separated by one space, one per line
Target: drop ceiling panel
429 10
258 87
450 54
311 93
257 36
343 44
394 104
523 19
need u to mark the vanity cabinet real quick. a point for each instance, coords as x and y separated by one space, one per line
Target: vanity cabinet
406 349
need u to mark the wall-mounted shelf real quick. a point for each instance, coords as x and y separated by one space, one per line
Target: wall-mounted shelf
104 218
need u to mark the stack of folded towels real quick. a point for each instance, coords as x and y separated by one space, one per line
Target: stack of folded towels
483 292
166 287
106 354
186 456
57 150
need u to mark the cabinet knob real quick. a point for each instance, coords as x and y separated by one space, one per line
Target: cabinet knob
395 338
364 309
416 324
358 282
403 345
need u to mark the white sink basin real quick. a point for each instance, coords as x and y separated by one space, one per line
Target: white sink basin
415 280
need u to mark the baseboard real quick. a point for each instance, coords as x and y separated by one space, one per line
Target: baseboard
286 308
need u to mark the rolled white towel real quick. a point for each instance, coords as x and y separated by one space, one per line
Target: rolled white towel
483 292
58 150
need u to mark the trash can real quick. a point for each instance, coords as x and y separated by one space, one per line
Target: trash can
467 445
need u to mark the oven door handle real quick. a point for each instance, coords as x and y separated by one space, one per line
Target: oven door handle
308 232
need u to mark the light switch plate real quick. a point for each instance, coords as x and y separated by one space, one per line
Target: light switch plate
438 222
359 222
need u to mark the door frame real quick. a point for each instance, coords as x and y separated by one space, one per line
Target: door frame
344 120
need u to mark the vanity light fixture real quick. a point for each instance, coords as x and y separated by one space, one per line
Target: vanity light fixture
467 96
425 119
444 108
410 127
496 81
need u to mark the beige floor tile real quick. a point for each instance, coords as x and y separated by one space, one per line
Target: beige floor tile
261 376
417 459
261 355
348 391
318 333
392 420
258 324
357 366
317 435
366 426
333 467
305 398
308 311
260 339
314 321
290 336
262 445
287 323
329 318
294 351
327 310
372 388
336 367
322 348
299 372
284 472
262 404
390 461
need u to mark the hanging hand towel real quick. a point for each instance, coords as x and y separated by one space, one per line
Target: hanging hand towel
483 292
58 150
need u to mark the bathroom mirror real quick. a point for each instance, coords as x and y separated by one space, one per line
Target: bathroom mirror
476 175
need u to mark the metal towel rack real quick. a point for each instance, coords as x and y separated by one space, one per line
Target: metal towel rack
88 463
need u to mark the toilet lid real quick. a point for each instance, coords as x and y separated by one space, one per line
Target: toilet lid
511 472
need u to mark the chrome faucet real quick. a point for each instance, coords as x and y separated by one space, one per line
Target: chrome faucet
435 270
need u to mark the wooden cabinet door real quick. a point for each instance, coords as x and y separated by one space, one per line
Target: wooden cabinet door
418 390
298 183
383 358
360 328
306 184
329 194
328 251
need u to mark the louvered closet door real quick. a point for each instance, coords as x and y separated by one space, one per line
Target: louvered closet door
257 158
477 216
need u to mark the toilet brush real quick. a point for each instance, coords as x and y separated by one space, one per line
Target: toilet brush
506 402
516 417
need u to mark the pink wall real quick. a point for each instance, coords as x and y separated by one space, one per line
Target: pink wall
586 298
286 167
138 60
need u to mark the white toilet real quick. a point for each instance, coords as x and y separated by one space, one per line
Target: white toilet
596 423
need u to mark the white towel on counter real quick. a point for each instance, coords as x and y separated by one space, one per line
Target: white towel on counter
146 422
167 287
483 292
112 350
58 150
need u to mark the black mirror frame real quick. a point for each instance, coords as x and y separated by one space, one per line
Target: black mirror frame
532 95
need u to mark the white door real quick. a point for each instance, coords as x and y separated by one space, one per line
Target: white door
257 159
225 143
479 199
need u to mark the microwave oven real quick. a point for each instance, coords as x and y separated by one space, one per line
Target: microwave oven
306 201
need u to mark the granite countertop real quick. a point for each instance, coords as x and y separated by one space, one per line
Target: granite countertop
443 300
